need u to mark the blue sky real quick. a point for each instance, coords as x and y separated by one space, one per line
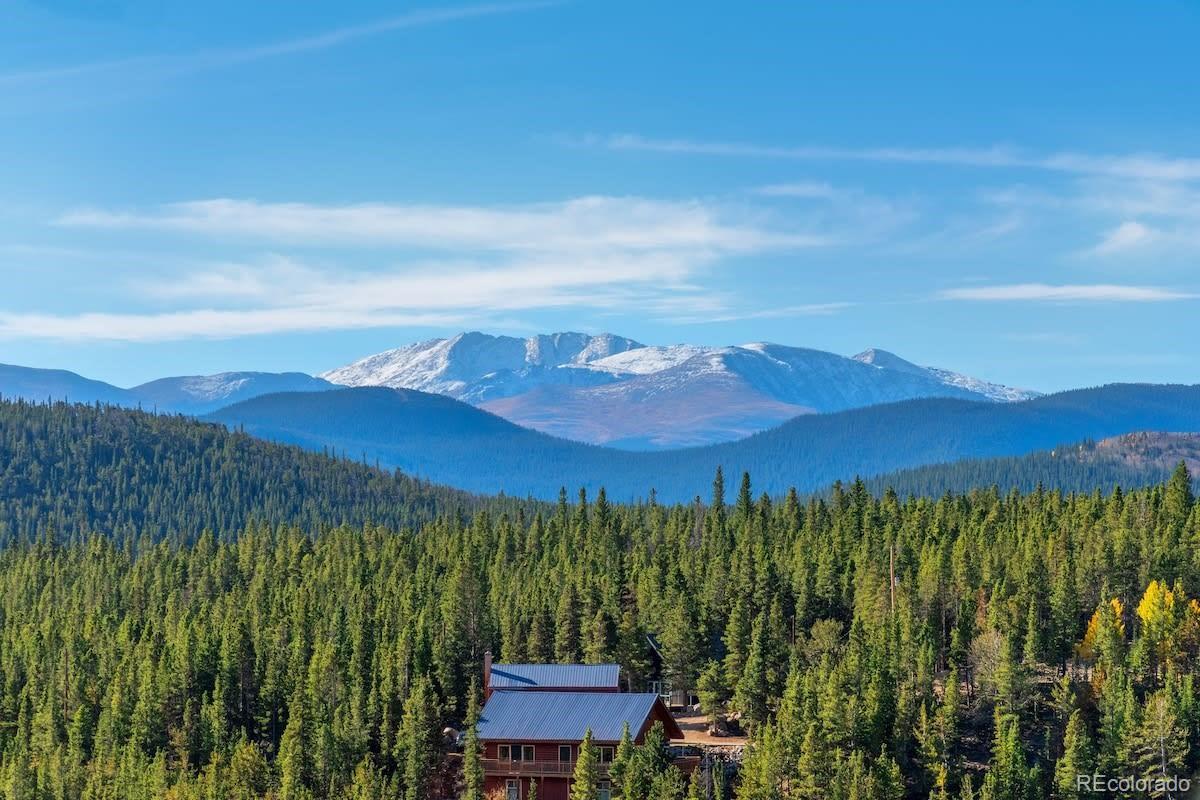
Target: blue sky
1011 191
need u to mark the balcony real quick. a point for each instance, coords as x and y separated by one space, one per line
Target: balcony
535 769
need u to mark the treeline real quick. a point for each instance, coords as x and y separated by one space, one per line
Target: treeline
972 646
74 469
1079 467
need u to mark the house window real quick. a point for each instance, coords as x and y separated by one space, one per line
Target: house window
515 752
606 754
605 792
564 752
512 789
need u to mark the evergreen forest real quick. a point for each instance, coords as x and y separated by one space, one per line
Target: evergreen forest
313 639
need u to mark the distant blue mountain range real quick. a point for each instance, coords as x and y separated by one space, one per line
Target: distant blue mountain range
197 394
451 442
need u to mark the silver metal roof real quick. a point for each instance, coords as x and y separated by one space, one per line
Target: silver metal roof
555 676
563 716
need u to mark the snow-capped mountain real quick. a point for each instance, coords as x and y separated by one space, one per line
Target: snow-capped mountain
607 389
199 394
992 391
193 394
476 367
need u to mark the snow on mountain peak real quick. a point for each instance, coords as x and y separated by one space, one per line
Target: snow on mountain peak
473 366
992 391
650 359
593 387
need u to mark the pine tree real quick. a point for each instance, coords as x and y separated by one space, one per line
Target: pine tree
294 768
717 506
566 627
752 690
712 690
745 501
585 780
680 640
599 643
633 651
1179 499
472 767
622 760
668 785
1077 759
419 740
1009 775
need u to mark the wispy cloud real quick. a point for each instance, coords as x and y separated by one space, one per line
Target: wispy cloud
214 59
782 312
204 323
625 223
286 297
1126 236
1144 166
625 254
818 190
1042 292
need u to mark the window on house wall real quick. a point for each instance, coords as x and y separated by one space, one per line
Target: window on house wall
512 789
606 754
502 752
527 753
605 791
564 752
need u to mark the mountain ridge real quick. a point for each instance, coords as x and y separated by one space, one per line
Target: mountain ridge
596 388
600 389
184 394
448 441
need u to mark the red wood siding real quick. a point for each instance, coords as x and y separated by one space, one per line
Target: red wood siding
548 788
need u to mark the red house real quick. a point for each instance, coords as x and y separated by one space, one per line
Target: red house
536 717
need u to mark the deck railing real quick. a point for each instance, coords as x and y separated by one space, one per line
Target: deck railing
496 766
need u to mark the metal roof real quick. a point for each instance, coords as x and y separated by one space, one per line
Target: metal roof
563 716
555 676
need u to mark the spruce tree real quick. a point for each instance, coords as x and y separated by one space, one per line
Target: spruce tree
751 695
622 760
472 766
566 627
1076 761
294 769
585 779
419 740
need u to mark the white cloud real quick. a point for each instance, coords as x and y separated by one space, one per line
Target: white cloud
429 262
1141 166
284 297
613 223
205 323
1042 292
1126 236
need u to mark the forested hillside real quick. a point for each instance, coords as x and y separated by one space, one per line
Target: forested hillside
453 443
71 469
1133 460
1024 639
